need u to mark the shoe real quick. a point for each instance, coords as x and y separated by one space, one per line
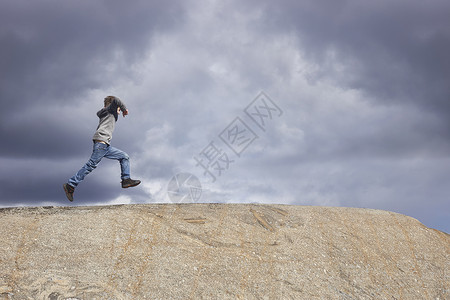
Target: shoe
126 183
69 191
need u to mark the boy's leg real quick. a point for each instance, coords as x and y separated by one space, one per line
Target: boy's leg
123 158
98 152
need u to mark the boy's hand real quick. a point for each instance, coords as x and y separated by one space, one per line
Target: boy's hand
125 112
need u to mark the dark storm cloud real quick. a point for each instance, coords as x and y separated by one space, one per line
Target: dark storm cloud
394 50
36 134
53 52
54 49
396 54
39 187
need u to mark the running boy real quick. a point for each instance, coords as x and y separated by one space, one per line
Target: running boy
108 116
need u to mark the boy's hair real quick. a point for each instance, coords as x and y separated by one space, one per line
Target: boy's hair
108 100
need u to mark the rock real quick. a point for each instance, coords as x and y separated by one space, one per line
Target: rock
219 251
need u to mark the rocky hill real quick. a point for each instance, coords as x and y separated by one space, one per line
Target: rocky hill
219 251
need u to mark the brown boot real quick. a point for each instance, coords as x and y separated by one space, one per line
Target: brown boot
126 183
69 191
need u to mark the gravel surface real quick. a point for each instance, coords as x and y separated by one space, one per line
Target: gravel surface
219 251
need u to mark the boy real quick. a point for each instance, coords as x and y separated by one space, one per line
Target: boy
108 117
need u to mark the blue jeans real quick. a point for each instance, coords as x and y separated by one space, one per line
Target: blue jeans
102 150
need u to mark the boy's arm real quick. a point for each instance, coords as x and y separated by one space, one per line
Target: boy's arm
116 106
122 107
120 104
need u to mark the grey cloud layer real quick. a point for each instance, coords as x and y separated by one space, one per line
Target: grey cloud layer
364 89
52 53
395 50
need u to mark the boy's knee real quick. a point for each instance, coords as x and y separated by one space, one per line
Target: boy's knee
125 156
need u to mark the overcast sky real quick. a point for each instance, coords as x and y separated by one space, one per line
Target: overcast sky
357 95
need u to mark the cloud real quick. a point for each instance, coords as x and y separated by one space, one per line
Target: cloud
53 54
395 51
363 89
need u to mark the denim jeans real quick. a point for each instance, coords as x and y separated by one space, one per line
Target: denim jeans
102 150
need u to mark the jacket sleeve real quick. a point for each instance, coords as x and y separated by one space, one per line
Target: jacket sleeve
112 108
118 103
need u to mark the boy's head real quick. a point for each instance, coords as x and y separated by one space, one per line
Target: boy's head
108 100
